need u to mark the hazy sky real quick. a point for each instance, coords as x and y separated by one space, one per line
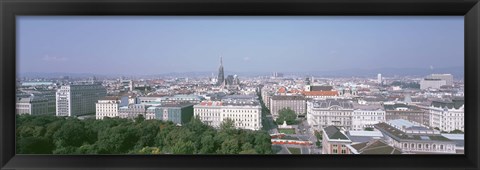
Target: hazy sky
149 45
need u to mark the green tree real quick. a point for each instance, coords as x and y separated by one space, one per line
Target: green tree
148 150
227 125
183 147
207 144
229 147
263 144
72 133
288 115
35 145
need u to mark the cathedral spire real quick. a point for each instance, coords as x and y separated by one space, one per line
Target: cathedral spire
221 76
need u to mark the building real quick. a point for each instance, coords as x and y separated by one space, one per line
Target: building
32 105
133 110
320 94
182 99
109 106
411 113
459 140
363 136
318 88
447 115
334 141
367 115
373 147
433 83
75 100
323 113
414 138
221 75
246 115
295 102
379 79
178 113
447 77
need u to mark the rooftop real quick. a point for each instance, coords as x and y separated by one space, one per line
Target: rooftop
345 104
401 135
334 133
375 147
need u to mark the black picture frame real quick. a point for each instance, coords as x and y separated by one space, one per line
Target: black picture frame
9 9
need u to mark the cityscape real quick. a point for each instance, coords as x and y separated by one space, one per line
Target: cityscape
385 110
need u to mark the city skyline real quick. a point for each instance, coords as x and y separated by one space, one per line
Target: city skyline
158 45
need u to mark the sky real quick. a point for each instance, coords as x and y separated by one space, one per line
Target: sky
165 44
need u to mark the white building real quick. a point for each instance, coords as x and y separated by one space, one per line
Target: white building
447 115
447 77
246 115
73 100
432 83
412 138
108 107
379 78
323 113
364 116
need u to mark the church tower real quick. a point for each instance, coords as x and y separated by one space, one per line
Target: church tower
221 76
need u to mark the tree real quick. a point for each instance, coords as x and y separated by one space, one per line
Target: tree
263 144
72 133
35 145
183 147
229 147
207 144
288 115
227 124
148 150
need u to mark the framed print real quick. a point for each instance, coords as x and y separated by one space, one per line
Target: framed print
239 84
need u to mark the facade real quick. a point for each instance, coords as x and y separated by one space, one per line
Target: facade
411 113
246 115
367 115
414 138
447 115
32 105
432 83
132 111
108 106
178 113
295 102
323 113
74 100
447 77
320 94
334 141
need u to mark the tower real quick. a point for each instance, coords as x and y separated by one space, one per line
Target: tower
379 79
221 76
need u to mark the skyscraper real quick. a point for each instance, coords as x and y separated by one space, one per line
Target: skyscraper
379 78
221 77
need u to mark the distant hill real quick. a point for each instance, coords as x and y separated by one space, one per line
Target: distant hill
457 72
